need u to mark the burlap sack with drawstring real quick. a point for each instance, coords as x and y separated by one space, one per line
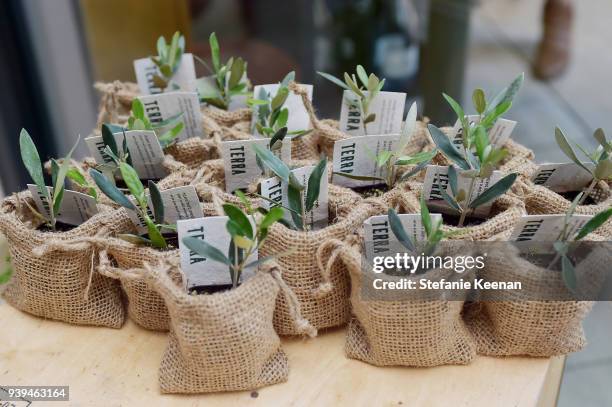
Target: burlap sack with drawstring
54 272
144 305
406 330
223 341
513 323
326 132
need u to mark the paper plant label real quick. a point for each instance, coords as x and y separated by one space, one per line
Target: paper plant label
180 203
356 156
276 190
240 162
436 178
184 77
164 106
545 228
75 208
379 238
298 116
146 153
498 135
201 271
564 177
387 106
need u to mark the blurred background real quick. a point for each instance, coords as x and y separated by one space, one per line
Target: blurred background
54 50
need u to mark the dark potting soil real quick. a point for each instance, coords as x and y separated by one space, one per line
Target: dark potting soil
453 220
59 227
570 196
369 192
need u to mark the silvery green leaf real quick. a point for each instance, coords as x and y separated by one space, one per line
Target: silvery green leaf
594 223
449 199
458 110
157 201
314 184
279 99
494 191
215 53
363 76
295 203
31 160
567 148
272 162
288 78
414 171
506 95
444 144
134 239
205 250
398 230
568 273
132 180
423 156
452 179
600 136
359 177
110 190
409 125
349 81
604 169
278 136
372 85
425 216
479 100
333 80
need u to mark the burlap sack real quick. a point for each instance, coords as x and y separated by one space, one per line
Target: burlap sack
144 305
54 272
326 132
403 331
223 341
518 326
540 200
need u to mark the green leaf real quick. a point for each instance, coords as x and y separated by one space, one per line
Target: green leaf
157 201
288 78
108 139
363 76
135 239
31 160
398 230
278 136
110 190
603 170
423 156
414 171
58 187
359 177
447 148
409 126
372 85
425 216
157 240
314 184
333 80
506 95
76 176
481 141
138 109
479 100
497 189
369 118
600 136
271 161
383 157
240 219
237 72
168 137
594 223
280 98
567 148
294 196
488 121
452 179
132 180
215 53
242 242
568 273
449 199
205 250
457 109
271 217
282 118
349 81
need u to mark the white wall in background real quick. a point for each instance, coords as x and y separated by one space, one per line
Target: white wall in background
62 60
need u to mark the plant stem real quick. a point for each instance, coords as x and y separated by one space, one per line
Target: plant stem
468 198
588 191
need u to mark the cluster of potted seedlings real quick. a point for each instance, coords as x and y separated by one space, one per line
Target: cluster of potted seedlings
229 214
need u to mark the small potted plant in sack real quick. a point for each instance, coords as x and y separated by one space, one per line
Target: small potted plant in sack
51 234
308 225
398 318
552 269
468 189
223 339
154 239
356 165
554 185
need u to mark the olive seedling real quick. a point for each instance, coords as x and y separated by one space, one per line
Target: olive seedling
478 158
271 113
31 160
432 227
299 204
601 158
248 233
566 236
365 91
154 221
392 160
138 120
228 80
168 59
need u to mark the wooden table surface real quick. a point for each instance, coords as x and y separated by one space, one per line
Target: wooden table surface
112 367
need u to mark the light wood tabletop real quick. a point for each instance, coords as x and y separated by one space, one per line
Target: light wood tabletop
113 367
